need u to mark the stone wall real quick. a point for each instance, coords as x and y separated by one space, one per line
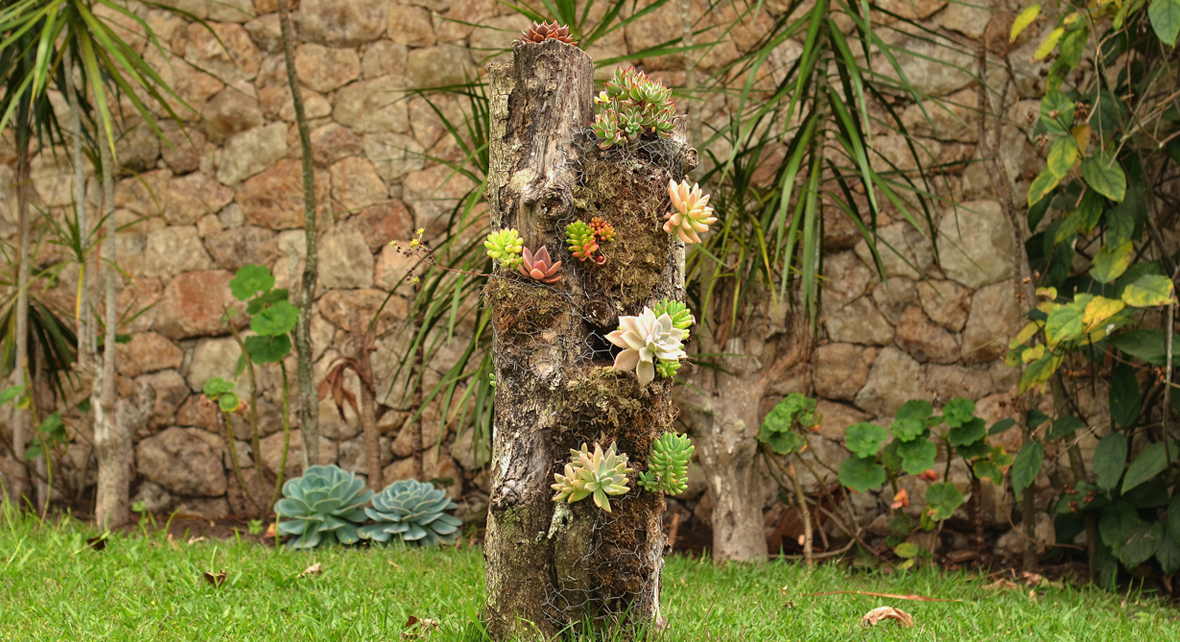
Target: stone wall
230 193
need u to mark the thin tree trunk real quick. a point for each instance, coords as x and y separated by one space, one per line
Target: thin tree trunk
555 566
111 440
20 416
309 400
363 340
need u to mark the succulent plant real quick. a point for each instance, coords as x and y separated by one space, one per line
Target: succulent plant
682 318
322 507
667 465
505 246
602 229
582 242
644 339
631 106
667 368
539 266
691 212
541 31
596 474
412 511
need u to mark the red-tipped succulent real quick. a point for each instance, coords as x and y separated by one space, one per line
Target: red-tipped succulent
542 31
602 229
540 267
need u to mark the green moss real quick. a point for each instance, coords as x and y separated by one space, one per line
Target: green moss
522 307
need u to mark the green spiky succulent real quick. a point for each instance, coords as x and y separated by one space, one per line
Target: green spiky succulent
582 242
681 316
322 507
667 465
412 511
631 106
667 368
505 246
596 474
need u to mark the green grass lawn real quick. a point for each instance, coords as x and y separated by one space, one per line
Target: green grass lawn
53 587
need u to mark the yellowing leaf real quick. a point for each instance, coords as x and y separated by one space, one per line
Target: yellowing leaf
1032 354
1026 333
1081 134
1049 43
1099 310
1047 306
1049 293
1110 264
1065 322
1063 155
1042 185
1023 20
1149 290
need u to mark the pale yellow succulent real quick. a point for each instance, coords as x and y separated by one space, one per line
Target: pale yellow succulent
596 474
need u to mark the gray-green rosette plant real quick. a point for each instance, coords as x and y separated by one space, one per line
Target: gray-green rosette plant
667 465
596 474
322 507
413 512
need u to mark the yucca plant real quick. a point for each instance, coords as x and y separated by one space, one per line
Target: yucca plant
412 512
322 507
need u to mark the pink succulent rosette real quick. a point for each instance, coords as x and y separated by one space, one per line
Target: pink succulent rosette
644 339
539 266
691 214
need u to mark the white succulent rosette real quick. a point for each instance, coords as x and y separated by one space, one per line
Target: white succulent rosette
692 213
644 339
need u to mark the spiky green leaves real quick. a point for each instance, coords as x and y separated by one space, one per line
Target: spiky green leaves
631 106
412 512
596 474
667 465
322 507
505 246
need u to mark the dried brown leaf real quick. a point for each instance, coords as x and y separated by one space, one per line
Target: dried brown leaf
419 627
872 618
215 579
314 569
97 543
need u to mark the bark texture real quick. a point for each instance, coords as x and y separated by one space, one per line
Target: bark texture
550 566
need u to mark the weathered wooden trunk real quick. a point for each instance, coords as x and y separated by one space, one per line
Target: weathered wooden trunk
550 566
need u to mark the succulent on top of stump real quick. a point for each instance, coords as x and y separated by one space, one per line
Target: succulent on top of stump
413 512
631 106
596 475
542 31
539 266
322 507
690 213
505 246
645 339
667 464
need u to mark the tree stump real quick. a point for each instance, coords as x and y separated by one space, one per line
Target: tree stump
557 566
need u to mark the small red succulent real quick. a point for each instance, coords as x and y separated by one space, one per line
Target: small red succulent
539 266
541 31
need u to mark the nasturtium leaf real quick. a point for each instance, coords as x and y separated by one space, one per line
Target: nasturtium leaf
906 550
917 456
278 319
865 439
1105 175
943 499
1147 345
987 469
1116 524
1001 426
1065 321
1173 517
1165 19
1151 462
1063 155
958 411
1023 20
1148 290
906 430
250 280
861 475
1109 264
1041 186
975 450
915 409
10 393
968 433
1064 427
215 386
266 298
1125 400
228 402
1110 458
1099 310
1027 465
787 442
268 349
1168 555
1141 543
1048 43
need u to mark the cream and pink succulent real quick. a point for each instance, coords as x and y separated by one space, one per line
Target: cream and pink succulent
691 212
645 339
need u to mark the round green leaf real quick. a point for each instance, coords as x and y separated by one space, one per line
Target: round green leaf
865 439
250 280
785 443
917 456
861 475
906 550
958 411
915 409
1106 176
944 498
969 433
268 349
1027 465
228 402
276 320
1151 462
907 429
987 469
216 386
1110 457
